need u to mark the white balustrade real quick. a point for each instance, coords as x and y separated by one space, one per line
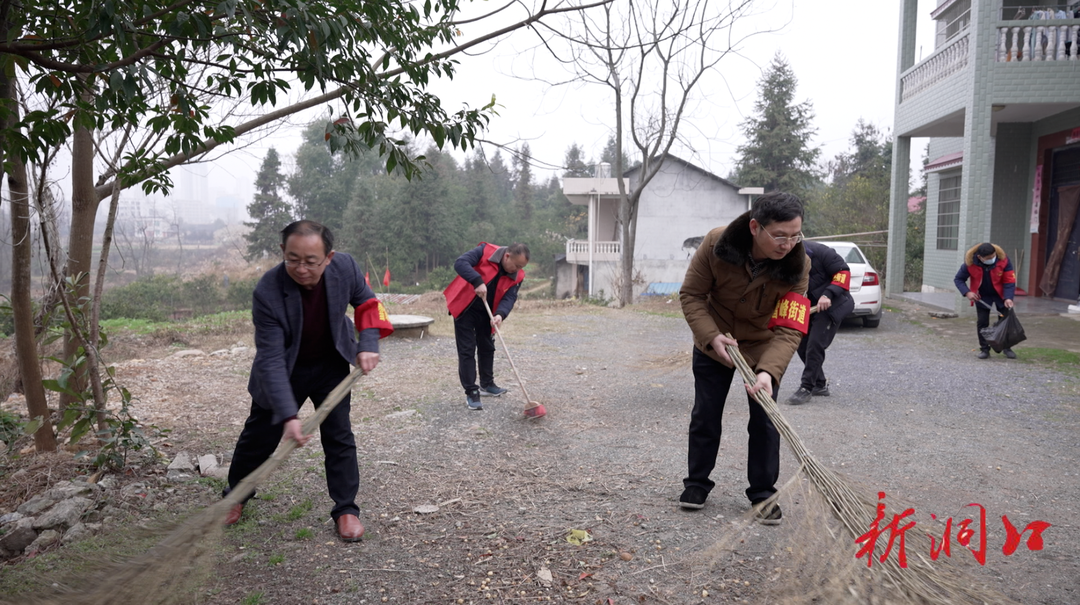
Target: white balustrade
1037 43
577 250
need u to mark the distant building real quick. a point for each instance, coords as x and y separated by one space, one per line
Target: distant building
679 206
1000 100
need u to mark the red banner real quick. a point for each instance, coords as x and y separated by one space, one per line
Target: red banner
842 279
792 311
372 314
386 278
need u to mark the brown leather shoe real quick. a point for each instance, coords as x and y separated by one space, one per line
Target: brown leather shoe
234 514
349 528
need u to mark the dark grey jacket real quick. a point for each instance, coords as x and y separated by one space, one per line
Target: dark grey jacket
278 312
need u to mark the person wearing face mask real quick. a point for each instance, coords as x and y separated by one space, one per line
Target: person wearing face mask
992 283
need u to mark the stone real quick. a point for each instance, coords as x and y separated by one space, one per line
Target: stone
65 514
16 540
67 489
35 506
44 540
80 531
182 462
207 464
219 352
238 350
402 414
188 353
10 518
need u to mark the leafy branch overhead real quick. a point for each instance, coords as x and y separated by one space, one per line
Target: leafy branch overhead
163 66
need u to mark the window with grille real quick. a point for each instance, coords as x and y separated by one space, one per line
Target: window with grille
948 224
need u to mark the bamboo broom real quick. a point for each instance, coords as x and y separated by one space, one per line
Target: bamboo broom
159 575
920 581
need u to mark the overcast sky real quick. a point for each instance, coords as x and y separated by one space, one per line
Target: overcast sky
843 54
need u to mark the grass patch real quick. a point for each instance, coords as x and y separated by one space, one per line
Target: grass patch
1063 361
276 559
305 533
228 321
298 511
254 598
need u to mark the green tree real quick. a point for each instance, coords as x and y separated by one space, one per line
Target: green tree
93 71
323 182
268 209
574 164
777 154
856 200
523 183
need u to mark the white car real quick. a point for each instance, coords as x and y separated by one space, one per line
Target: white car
865 283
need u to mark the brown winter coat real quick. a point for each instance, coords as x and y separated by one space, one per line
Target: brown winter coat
718 296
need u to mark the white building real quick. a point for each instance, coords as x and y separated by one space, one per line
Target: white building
679 206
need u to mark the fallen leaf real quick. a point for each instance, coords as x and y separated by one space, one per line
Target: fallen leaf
544 576
578 537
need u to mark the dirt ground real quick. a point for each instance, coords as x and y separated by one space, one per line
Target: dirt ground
913 414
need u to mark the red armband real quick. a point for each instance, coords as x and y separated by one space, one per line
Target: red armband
842 279
792 311
372 314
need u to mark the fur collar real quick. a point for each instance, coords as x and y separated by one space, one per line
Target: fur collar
736 242
969 256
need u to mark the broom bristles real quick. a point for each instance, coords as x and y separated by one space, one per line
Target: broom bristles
159 574
920 582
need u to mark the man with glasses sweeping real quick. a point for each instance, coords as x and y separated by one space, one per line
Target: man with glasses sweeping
304 344
746 280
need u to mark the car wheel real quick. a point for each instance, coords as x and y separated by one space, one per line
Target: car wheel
871 321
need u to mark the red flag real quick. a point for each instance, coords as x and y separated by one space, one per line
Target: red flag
367 278
386 278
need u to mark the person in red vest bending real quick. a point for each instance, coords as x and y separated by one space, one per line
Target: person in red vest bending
493 273
993 282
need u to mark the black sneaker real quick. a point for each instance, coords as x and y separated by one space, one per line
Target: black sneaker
492 390
693 498
473 400
767 513
984 354
821 391
799 397
1009 354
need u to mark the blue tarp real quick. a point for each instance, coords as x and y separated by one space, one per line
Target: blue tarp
659 288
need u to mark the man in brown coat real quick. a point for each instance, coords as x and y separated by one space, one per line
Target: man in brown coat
748 280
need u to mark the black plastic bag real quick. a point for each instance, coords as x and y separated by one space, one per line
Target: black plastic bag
1005 334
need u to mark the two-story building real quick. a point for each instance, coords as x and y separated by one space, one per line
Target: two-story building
678 206
999 98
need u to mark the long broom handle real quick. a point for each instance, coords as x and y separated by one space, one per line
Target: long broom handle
506 350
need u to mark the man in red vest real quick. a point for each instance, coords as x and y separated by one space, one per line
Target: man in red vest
993 283
486 272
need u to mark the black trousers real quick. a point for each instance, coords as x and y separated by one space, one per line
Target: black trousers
475 342
818 338
259 438
712 380
983 317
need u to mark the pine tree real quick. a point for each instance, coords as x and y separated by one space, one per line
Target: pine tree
777 154
524 191
575 165
269 211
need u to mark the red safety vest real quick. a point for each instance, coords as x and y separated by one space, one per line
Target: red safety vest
460 293
998 276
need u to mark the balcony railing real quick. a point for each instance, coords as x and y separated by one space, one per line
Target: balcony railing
577 251
1037 41
937 68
